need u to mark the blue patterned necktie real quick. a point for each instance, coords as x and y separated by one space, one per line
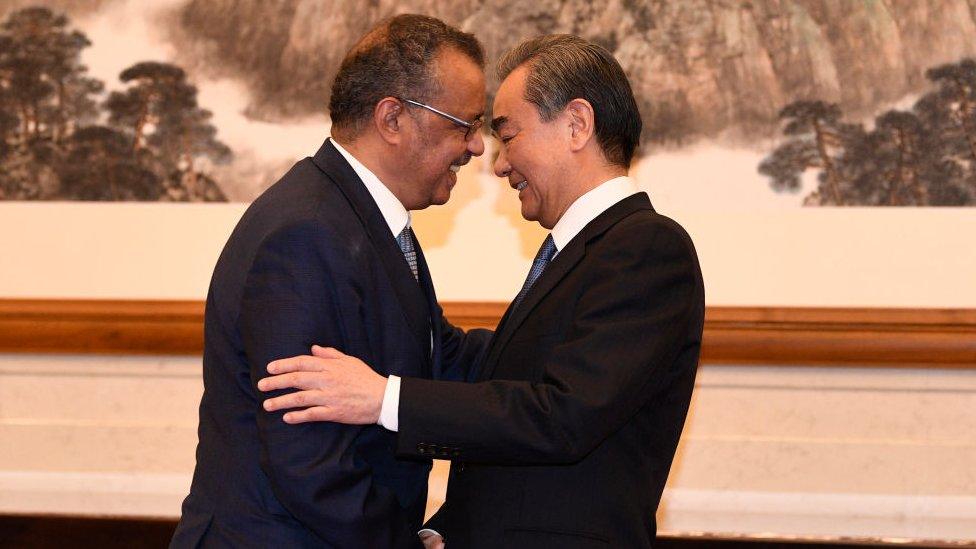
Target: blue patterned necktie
539 264
405 240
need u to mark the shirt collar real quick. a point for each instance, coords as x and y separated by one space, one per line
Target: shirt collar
396 216
589 206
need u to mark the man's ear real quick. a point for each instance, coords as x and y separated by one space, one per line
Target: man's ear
386 119
581 123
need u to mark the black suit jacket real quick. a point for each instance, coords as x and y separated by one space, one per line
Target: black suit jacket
312 261
568 441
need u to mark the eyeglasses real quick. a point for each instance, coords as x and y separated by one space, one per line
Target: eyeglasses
470 127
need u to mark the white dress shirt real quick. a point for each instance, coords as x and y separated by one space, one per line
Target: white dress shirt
584 209
396 216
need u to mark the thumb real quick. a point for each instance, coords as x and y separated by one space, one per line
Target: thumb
326 352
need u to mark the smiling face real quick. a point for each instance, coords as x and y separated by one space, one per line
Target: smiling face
534 154
436 147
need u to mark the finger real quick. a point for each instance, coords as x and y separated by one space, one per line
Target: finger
298 399
317 413
294 380
303 363
326 352
283 365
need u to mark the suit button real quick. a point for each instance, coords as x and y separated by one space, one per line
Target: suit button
423 448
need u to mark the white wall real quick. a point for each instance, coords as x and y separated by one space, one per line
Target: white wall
479 249
786 451
861 452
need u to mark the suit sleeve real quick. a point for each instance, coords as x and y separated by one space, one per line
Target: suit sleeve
640 307
289 303
462 352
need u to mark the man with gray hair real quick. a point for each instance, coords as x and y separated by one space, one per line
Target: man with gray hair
327 255
567 438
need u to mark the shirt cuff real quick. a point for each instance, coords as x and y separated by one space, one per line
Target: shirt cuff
427 532
390 410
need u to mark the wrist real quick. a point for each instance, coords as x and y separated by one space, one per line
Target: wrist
378 390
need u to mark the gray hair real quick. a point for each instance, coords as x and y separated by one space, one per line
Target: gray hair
563 67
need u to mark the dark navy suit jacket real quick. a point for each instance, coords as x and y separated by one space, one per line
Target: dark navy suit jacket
312 261
567 442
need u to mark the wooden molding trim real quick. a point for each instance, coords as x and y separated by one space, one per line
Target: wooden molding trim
840 336
101 326
943 338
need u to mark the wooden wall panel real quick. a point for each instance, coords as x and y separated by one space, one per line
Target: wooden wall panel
101 326
755 335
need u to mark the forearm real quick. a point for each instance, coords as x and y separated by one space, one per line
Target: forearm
509 422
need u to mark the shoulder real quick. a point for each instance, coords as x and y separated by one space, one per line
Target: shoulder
304 199
646 233
303 189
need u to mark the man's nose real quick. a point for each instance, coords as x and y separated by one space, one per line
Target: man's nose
502 167
476 145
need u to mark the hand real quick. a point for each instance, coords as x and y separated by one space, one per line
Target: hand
332 387
432 541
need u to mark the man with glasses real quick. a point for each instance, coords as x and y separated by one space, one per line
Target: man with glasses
327 255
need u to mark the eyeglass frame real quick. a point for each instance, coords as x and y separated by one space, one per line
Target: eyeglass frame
471 127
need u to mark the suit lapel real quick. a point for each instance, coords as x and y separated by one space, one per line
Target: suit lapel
413 304
561 265
427 283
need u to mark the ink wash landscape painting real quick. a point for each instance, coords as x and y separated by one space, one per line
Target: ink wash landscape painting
749 104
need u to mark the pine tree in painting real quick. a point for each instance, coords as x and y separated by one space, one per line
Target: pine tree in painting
949 112
54 139
922 157
168 129
817 139
46 94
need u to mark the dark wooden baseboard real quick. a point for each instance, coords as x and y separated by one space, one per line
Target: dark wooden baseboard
57 532
941 338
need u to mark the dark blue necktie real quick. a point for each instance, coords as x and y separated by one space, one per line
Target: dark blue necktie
539 264
405 240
